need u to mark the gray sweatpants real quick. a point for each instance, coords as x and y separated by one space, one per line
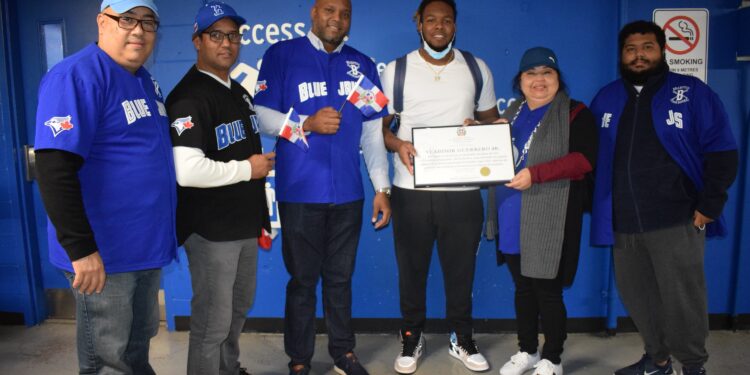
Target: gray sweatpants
223 278
661 281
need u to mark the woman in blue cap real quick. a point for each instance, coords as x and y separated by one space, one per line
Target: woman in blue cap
540 210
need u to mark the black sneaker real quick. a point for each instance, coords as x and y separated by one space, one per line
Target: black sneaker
243 371
349 365
693 371
412 347
646 366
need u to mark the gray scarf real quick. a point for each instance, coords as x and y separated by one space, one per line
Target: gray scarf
543 206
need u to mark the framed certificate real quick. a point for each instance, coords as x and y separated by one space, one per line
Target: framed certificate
462 155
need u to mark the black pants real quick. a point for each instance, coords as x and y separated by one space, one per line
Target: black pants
454 220
539 298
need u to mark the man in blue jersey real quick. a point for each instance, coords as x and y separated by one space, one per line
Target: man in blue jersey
320 191
666 159
107 179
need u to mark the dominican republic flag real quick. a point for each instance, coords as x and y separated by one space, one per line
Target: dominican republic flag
367 97
292 130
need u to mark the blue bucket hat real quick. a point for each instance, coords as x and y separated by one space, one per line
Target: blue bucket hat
211 12
538 56
122 6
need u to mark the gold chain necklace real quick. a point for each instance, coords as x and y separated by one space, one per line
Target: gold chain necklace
438 72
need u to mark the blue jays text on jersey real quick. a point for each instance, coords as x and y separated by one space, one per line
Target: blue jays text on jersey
91 106
689 120
295 73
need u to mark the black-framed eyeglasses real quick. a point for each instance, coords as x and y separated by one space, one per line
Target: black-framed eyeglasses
130 23
218 36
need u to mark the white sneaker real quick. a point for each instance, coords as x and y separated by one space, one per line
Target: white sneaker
411 349
520 363
545 367
465 349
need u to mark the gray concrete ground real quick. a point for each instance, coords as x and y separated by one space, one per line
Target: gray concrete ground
50 349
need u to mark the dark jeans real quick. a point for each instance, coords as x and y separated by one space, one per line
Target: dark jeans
537 298
114 328
453 219
319 241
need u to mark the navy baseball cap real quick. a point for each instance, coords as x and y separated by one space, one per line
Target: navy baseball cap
122 6
538 56
211 12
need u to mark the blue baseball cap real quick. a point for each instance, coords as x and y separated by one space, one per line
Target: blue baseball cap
122 6
538 56
211 12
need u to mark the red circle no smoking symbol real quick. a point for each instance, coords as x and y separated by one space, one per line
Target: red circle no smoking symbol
682 33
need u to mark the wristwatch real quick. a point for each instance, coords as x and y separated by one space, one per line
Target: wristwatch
387 191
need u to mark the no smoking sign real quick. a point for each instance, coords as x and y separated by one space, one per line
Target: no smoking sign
687 39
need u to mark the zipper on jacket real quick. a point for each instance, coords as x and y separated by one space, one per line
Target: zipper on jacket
630 159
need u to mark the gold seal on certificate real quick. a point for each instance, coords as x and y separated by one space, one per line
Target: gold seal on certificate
462 155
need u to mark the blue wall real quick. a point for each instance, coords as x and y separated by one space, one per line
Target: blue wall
583 33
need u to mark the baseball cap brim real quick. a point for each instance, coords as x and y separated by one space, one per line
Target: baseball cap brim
123 6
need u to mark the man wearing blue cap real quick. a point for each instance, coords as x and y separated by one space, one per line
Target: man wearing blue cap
106 175
221 201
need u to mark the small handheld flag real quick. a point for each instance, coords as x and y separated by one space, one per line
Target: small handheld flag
292 131
367 97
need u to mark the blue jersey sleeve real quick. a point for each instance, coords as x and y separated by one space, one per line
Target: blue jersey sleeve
269 89
67 114
715 131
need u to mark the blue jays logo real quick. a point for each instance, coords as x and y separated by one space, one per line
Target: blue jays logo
260 86
182 124
679 95
353 69
59 124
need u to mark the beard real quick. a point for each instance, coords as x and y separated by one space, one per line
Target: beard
640 78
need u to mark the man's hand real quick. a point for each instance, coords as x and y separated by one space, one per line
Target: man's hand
470 121
325 121
90 276
407 152
700 220
381 204
520 181
261 164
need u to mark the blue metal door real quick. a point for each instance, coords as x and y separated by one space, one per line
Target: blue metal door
36 35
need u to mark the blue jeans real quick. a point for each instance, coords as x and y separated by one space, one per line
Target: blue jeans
114 328
319 241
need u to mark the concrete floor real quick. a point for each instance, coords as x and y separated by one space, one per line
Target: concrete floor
50 349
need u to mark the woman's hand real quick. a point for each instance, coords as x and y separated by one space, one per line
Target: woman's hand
521 181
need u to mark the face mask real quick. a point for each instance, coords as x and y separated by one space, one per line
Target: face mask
435 54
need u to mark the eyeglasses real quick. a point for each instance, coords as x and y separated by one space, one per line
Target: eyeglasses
218 36
130 23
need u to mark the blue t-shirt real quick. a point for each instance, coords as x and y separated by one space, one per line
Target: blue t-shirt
295 73
116 121
509 200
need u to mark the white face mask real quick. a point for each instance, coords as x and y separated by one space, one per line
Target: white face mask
435 54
